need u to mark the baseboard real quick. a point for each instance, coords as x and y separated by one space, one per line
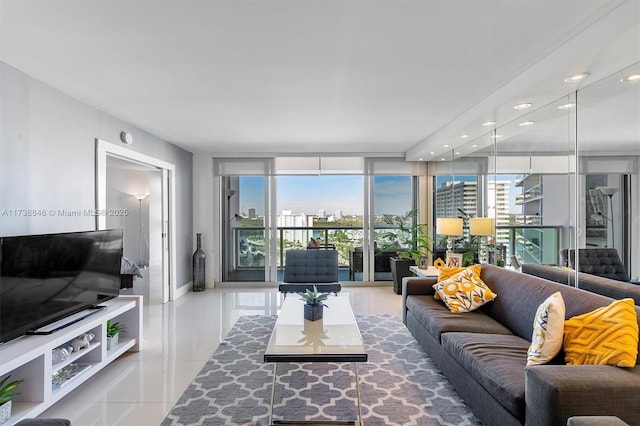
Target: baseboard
229 284
181 291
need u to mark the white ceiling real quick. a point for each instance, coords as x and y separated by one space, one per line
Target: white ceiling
315 76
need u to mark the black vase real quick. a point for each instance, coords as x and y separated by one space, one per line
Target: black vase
198 266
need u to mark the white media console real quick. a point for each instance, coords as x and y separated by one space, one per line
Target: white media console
30 358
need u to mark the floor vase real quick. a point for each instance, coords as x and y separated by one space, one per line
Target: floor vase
198 266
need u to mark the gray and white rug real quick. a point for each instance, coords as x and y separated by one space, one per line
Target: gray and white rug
399 385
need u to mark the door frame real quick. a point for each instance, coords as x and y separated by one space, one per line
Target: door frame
106 149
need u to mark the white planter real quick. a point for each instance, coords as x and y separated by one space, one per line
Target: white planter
5 412
112 342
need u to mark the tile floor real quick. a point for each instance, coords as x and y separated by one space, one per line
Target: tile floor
179 337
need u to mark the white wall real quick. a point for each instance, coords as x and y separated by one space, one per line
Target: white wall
204 214
47 163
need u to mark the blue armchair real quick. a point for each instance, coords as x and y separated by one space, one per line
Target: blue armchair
305 268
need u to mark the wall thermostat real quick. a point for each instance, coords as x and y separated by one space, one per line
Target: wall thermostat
126 137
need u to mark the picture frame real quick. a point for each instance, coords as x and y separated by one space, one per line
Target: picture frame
423 264
454 260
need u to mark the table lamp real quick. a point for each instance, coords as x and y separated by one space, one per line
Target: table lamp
449 226
482 227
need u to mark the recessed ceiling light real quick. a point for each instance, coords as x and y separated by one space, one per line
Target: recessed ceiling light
576 77
446 145
527 123
567 105
432 153
523 106
457 152
474 145
496 136
488 123
443 159
631 77
420 159
464 136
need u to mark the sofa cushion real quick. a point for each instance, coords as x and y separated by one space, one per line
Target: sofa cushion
605 336
548 330
605 286
516 312
446 272
437 319
497 362
464 292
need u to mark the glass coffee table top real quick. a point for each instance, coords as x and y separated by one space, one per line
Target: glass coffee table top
334 338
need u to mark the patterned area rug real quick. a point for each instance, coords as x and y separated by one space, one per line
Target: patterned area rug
399 385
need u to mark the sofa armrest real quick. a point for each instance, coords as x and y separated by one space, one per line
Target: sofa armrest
415 286
418 285
553 393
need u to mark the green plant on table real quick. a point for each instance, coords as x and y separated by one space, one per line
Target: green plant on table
114 328
314 298
7 390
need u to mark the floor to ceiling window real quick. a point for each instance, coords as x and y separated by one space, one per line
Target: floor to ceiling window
393 197
328 209
244 230
290 201
457 196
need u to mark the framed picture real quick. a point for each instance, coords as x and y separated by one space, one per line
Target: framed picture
423 263
454 260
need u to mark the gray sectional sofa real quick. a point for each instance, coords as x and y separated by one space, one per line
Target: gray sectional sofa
483 354
596 284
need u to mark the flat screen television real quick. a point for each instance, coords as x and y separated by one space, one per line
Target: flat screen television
45 278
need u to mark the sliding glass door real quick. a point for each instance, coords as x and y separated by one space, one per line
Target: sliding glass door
269 206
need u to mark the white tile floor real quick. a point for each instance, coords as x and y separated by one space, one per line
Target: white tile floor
179 337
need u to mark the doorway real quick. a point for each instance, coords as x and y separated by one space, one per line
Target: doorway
135 193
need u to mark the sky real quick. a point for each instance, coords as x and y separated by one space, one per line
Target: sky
310 194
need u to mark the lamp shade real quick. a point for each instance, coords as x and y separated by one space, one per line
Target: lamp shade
608 190
449 226
482 226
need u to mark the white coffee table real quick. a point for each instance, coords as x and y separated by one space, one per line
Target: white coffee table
335 338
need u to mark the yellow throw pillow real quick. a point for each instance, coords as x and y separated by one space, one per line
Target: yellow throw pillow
605 336
548 328
446 272
464 292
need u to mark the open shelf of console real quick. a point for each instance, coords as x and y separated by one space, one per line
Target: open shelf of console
30 358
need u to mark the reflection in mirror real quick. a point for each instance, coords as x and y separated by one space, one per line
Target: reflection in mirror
532 176
560 178
609 146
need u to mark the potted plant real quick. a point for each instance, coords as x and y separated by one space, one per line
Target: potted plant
7 392
314 304
411 242
113 330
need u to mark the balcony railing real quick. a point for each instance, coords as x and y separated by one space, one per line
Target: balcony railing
531 244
